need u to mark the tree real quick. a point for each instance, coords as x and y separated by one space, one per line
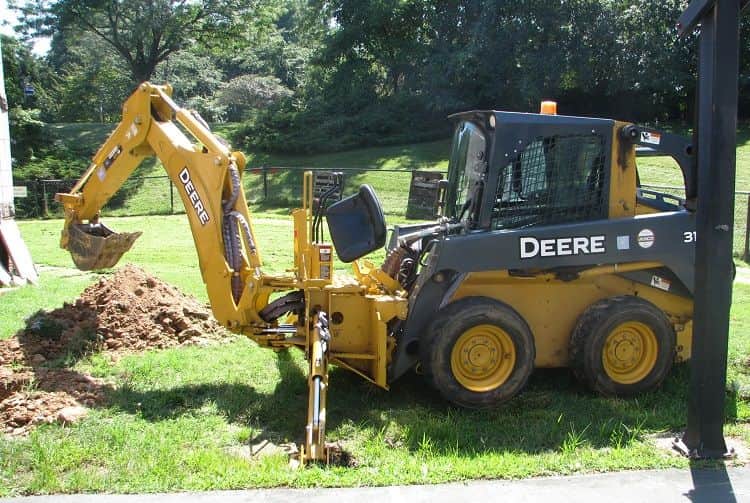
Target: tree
144 34
89 75
22 69
180 70
248 92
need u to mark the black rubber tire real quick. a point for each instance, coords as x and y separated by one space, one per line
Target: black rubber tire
594 326
449 324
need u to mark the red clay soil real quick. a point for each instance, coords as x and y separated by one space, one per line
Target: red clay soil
127 312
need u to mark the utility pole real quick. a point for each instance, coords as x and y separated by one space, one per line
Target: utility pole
16 266
715 131
6 177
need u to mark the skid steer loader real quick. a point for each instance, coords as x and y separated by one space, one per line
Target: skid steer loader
547 254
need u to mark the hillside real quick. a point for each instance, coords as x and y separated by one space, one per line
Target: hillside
385 168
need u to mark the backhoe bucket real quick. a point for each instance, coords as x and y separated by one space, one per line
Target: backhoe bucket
95 246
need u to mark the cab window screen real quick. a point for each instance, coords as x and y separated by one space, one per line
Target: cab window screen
554 179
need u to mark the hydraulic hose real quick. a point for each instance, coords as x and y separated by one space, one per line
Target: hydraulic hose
230 231
245 227
234 178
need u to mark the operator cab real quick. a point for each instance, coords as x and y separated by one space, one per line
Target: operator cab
512 170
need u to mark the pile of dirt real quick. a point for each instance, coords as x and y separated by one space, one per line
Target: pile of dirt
127 312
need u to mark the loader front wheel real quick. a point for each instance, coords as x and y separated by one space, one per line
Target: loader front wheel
479 352
622 346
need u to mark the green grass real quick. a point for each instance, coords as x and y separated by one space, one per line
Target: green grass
166 247
359 166
88 137
182 419
55 287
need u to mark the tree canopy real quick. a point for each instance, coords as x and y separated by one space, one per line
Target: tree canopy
363 72
145 33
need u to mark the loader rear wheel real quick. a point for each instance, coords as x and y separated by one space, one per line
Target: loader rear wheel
478 353
622 346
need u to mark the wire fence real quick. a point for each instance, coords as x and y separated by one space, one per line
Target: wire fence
266 188
278 189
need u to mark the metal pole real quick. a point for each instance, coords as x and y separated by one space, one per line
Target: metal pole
44 199
7 209
746 253
717 126
171 197
265 184
39 204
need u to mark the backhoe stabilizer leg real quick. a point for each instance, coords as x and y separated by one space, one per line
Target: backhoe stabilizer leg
315 448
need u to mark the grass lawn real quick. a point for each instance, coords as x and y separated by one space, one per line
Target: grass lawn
183 419
148 192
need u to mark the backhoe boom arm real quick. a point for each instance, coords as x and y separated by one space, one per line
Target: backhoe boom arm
207 175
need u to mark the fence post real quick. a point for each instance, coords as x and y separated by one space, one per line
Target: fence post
44 199
37 203
265 183
746 254
171 197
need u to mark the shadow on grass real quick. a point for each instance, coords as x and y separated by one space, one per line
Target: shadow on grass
553 414
280 414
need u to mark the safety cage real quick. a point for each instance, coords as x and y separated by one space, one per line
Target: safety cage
555 178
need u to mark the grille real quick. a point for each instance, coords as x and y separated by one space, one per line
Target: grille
554 179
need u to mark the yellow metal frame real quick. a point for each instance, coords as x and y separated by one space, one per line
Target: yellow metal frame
359 307
551 307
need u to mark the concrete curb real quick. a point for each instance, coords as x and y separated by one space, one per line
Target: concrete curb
702 485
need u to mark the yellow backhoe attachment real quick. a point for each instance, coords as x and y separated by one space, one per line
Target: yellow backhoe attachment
96 246
207 175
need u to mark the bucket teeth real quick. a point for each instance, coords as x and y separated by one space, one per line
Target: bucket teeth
95 246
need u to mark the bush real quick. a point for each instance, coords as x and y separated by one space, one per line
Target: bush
27 134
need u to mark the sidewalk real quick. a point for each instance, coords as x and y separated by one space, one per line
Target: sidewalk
714 486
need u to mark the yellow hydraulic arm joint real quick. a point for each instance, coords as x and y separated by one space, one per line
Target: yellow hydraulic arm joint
314 448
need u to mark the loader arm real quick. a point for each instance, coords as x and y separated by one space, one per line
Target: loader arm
207 175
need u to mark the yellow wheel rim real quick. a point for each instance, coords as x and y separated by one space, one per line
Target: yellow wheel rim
483 358
630 352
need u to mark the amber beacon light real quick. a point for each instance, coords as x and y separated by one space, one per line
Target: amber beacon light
548 108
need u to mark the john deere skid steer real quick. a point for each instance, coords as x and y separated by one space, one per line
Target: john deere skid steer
547 254
561 260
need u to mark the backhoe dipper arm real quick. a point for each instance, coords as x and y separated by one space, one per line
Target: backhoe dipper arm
207 175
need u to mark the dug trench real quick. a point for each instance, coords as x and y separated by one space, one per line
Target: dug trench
126 312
